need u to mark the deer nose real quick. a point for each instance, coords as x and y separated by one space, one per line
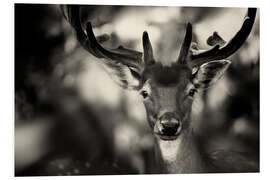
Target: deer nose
169 123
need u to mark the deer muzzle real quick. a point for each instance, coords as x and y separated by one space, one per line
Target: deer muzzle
168 126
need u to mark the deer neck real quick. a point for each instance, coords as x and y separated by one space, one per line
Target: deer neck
178 156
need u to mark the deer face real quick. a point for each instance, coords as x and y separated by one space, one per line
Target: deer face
168 91
167 94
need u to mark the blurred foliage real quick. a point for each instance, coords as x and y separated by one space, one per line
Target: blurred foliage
69 110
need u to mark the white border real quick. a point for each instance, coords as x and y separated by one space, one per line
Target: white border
7 83
215 3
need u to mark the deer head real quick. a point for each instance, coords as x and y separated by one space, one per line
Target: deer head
167 91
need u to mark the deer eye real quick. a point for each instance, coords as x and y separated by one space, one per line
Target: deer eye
192 92
144 94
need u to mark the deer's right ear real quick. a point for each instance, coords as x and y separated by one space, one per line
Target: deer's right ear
209 73
126 77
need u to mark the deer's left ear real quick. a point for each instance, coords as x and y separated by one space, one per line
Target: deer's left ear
208 73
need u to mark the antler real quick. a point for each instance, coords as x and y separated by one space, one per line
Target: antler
147 50
185 45
128 57
217 53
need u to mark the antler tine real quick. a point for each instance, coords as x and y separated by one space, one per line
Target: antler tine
97 50
232 46
128 57
186 45
147 50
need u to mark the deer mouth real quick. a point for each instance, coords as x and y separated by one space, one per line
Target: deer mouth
168 130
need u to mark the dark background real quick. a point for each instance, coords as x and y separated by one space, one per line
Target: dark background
67 107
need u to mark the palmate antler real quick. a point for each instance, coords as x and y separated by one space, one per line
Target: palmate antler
135 61
219 53
127 57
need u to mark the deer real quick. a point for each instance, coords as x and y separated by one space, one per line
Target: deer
168 91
